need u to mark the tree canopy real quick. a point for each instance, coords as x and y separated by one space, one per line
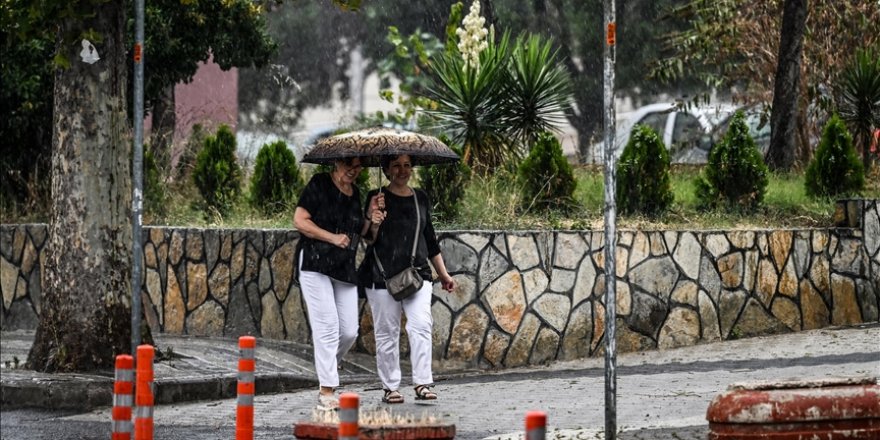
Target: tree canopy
734 44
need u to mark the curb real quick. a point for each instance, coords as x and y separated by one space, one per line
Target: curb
58 391
834 408
82 392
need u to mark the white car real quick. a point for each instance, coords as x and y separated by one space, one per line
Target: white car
684 131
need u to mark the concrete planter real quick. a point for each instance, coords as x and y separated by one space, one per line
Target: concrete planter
827 409
328 431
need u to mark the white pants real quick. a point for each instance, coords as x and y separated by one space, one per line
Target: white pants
333 318
386 322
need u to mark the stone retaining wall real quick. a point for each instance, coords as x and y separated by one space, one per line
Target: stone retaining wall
523 297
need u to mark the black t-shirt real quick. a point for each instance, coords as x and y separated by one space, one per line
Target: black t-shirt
395 239
337 213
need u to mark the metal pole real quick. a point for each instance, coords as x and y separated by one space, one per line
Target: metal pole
610 229
138 177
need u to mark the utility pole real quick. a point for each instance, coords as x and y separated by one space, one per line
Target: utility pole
137 200
610 228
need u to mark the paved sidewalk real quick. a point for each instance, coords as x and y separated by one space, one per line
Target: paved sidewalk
187 368
661 394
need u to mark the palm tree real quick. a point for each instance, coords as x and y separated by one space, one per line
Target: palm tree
539 90
859 102
469 103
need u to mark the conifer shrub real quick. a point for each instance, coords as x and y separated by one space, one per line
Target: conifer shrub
643 184
546 176
445 184
217 174
276 181
835 168
736 175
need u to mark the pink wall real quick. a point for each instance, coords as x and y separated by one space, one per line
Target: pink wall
210 99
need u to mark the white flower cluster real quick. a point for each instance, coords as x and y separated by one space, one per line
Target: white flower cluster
472 38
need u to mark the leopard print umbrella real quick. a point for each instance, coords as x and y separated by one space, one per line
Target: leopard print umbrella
373 143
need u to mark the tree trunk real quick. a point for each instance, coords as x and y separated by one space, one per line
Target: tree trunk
782 153
85 317
162 130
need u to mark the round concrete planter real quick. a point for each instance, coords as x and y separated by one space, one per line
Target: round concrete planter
328 431
829 409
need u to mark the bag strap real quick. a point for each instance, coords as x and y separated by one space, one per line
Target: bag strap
415 238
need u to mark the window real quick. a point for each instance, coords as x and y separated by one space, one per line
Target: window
657 122
687 132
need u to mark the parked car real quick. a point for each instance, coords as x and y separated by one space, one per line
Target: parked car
684 131
758 122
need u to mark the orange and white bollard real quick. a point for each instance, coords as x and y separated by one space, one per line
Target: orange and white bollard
143 417
244 412
348 416
123 388
536 425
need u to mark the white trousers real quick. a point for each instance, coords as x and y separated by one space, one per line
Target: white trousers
333 318
386 322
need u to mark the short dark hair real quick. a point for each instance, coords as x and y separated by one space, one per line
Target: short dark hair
385 161
349 160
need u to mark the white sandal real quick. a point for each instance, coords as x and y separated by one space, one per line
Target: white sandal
425 392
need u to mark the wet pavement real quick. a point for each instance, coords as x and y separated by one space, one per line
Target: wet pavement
660 394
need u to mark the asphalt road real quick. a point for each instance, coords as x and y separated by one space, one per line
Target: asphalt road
660 394
46 425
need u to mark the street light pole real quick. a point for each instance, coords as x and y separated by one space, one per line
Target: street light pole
610 228
137 200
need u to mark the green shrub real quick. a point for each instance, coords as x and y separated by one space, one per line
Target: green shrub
445 185
217 174
735 174
276 181
835 169
546 176
643 174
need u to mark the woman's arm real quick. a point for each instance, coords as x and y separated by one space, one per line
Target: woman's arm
434 249
446 280
302 220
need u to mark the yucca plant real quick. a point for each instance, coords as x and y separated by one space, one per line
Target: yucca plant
539 90
470 104
859 104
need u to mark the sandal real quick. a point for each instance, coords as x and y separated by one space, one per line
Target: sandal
425 392
392 397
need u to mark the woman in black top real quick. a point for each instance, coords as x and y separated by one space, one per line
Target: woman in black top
331 222
393 246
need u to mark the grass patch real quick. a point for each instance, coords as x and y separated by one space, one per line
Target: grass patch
494 203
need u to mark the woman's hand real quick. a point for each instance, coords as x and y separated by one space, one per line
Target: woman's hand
447 282
341 240
377 217
377 203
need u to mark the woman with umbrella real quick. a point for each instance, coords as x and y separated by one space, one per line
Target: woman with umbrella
405 238
329 217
